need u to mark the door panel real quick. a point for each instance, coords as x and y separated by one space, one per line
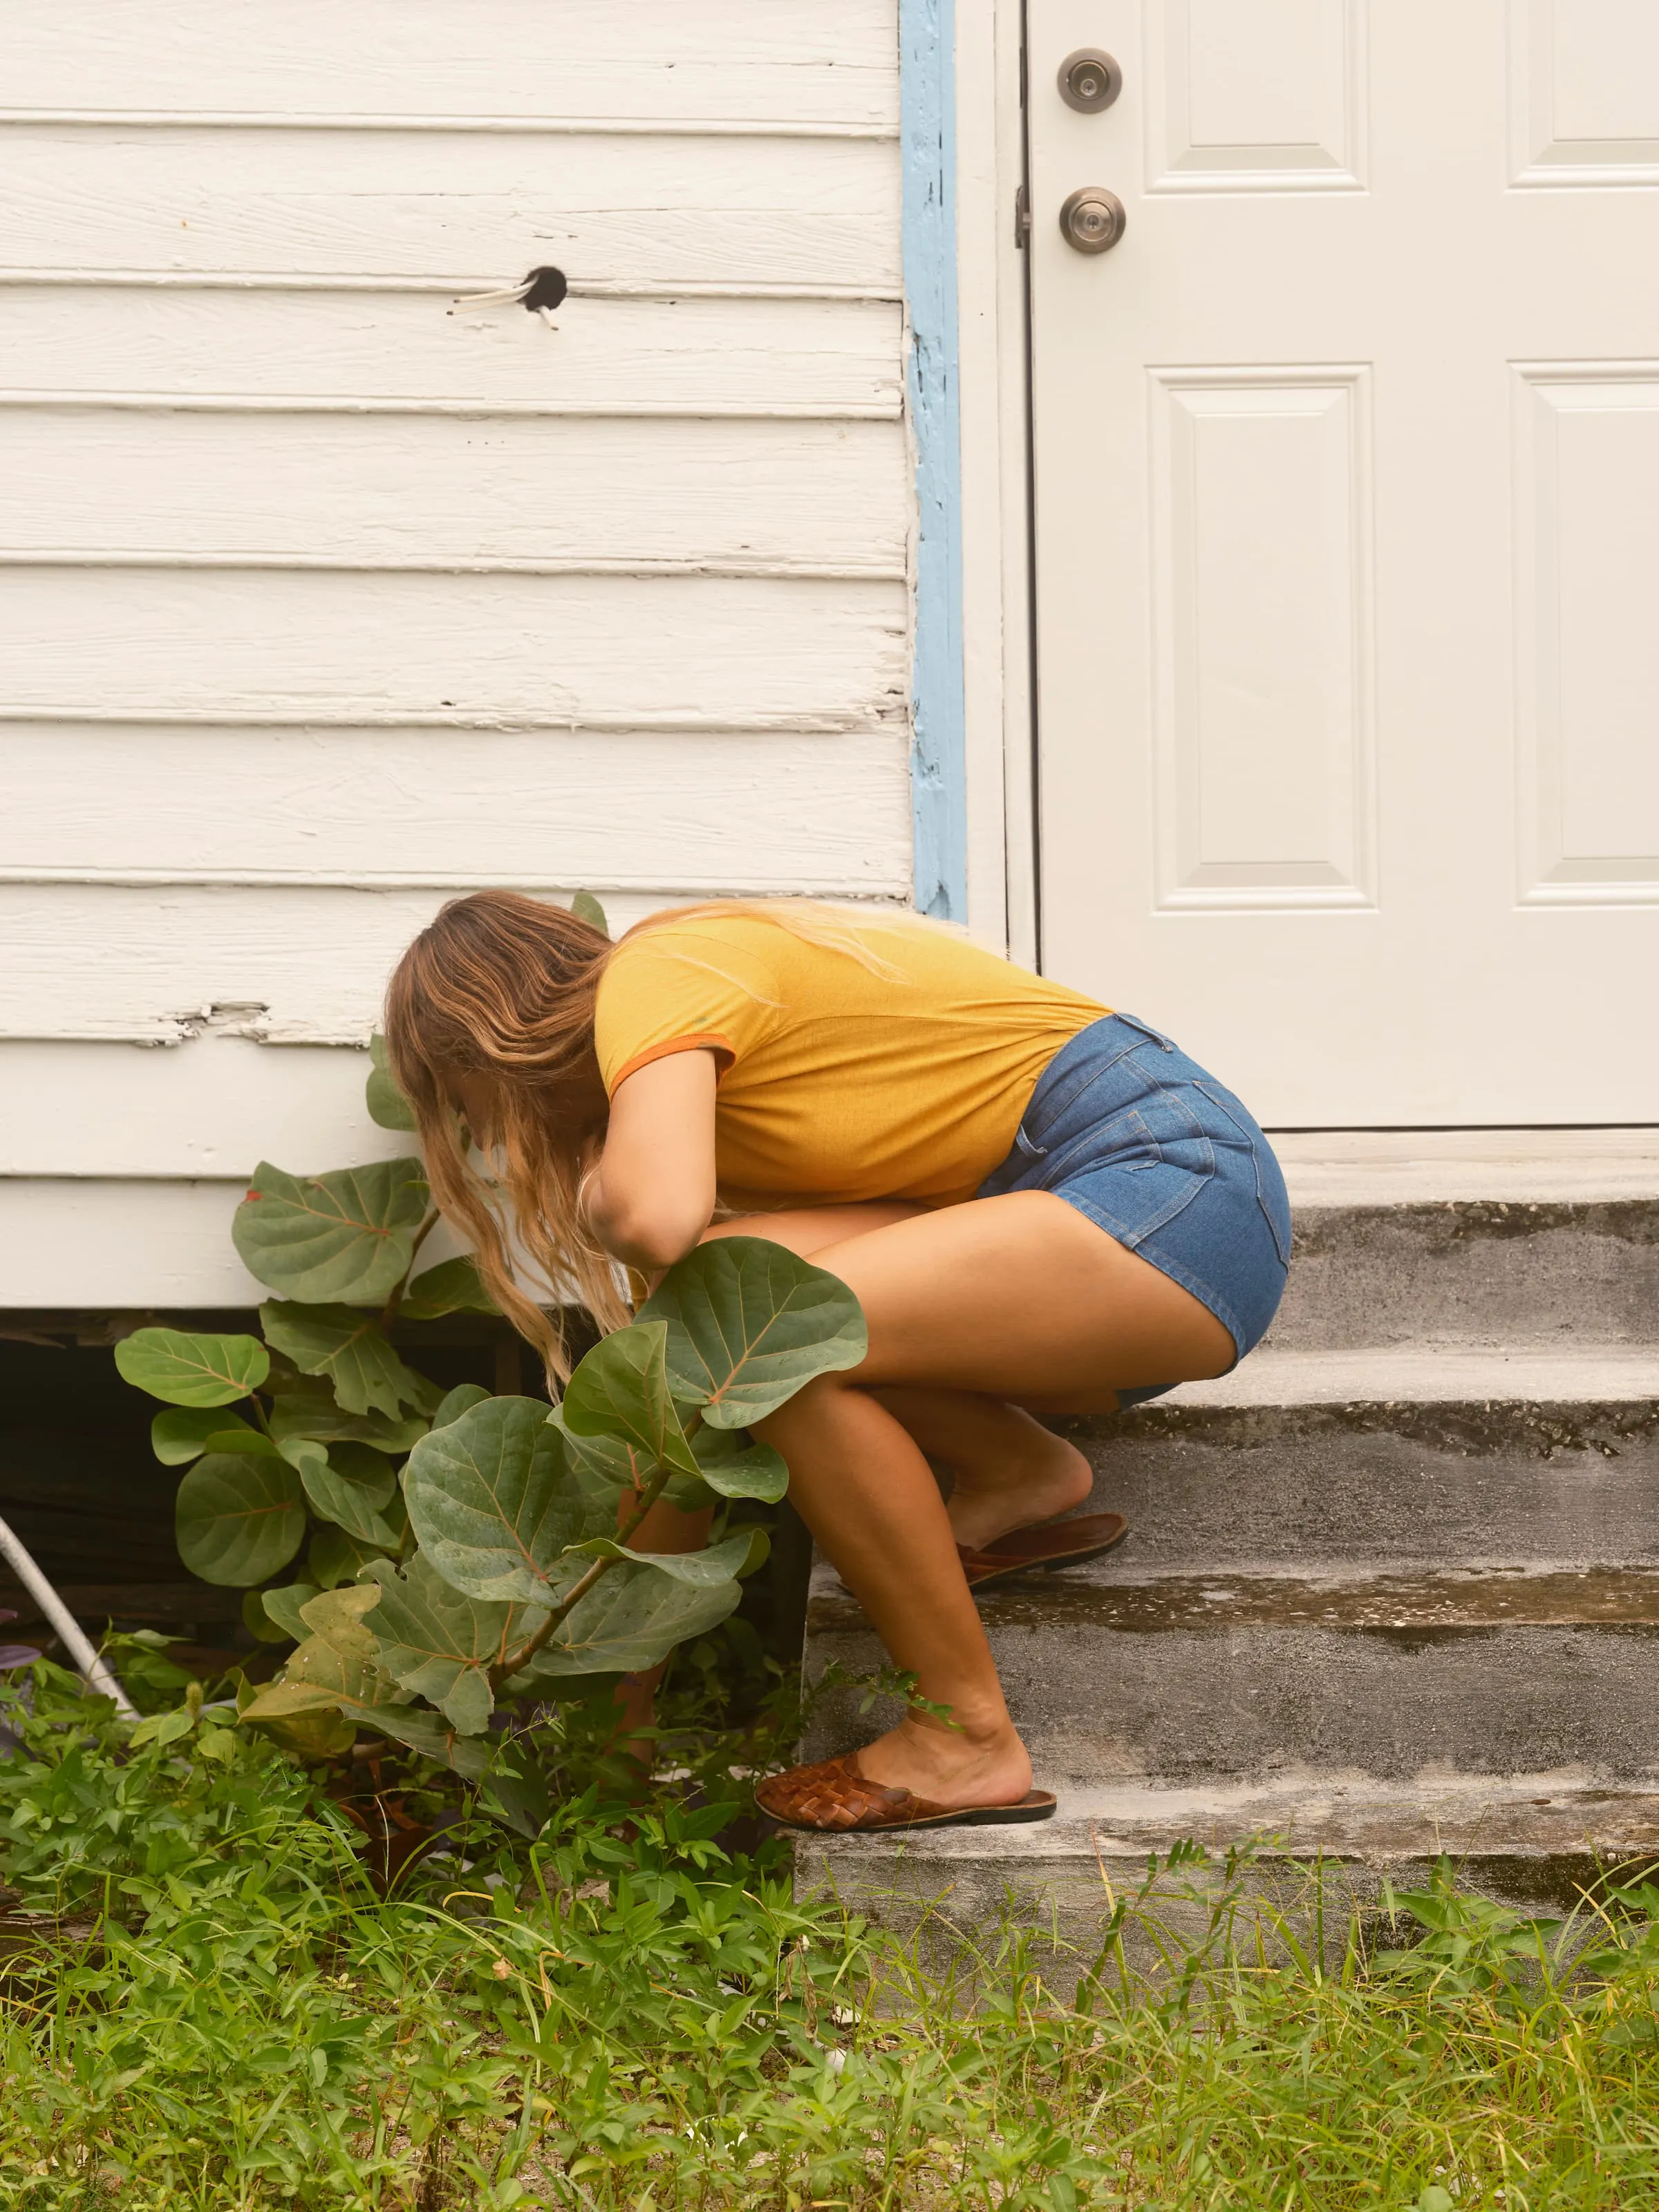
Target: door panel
1346 458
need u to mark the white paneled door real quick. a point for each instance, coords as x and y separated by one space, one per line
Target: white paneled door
1347 538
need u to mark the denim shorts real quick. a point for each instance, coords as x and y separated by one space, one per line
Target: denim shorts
1162 1157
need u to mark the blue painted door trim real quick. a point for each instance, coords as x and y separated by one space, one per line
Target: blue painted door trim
938 764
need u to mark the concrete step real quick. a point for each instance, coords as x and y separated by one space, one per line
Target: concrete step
1481 1272
1438 1167
1391 1589
1535 1237
1440 1372
1222 1681
1320 1845
1419 1455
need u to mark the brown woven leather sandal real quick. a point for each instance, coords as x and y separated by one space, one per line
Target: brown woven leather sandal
1057 1544
833 1798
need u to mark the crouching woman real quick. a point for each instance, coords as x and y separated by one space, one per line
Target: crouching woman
1043 1209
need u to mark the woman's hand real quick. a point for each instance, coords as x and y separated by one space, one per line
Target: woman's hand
650 1194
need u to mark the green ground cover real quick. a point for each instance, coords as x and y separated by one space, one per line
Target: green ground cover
210 1996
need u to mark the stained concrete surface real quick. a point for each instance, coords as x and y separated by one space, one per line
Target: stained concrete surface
1479 1273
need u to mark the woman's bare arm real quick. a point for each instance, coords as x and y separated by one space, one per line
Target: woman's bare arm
652 1194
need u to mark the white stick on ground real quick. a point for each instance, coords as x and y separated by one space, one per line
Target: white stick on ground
22 1563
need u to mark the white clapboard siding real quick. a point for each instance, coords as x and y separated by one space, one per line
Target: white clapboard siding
433 490
159 965
353 350
125 1244
669 61
326 589
213 1108
824 814
400 202
143 1245
699 652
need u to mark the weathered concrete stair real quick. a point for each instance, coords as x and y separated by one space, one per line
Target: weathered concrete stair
1391 1589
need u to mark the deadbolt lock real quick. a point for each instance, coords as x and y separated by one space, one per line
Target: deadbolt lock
1090 80
1093 219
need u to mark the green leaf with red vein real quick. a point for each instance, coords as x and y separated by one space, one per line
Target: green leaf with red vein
748 1324
347 1236
344 1346
184 1368
238 1520
438 1644
621 1388
494 1507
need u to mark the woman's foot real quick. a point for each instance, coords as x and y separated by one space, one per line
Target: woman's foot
947 1766
1043 1477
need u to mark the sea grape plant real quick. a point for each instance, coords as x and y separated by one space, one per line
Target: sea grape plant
434 1556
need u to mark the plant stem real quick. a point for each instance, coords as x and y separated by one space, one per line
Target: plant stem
578 1590
389 1312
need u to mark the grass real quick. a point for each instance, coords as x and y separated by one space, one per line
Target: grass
224 2008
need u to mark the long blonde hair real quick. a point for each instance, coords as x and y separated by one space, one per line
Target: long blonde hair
504 988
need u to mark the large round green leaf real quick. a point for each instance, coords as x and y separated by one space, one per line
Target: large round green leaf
494 1506
257 1622
179 1436
281 1608
439 1646
387 1105
605 1462
338 1664
333 1557
461 1400
187 1369
631 1618
238 1520
344 1346
748 1324
620 1389
760 1472
452 1286
429 1734
347 1236
355 1504
304 1409
716 1563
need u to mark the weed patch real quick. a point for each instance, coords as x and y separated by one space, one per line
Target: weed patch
212 1995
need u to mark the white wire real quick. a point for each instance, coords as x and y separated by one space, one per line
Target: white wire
512 295
502 299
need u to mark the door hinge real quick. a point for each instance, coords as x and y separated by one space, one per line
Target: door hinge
1022 217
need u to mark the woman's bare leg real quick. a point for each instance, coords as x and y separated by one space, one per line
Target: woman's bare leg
1011 1298
1008 1470
665 1528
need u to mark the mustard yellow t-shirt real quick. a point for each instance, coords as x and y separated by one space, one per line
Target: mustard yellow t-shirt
837 1082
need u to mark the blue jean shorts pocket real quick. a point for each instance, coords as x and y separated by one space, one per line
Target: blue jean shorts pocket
1271 1194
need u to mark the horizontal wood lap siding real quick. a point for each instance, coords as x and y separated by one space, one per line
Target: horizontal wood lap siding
464 203
162 964
250 644
326 591
434 491
344 349
537 809
669 62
